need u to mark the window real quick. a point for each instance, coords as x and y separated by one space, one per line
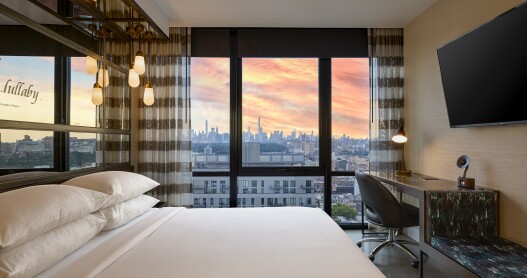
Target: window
350 114
210 114
206 187
80 90
26 149
43 101
280 112
83 148
281 198
27 89
345 201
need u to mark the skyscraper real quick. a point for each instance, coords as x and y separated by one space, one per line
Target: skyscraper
206 129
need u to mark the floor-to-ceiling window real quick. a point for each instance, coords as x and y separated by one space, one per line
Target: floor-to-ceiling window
279 131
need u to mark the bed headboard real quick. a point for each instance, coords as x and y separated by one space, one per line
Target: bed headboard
58 177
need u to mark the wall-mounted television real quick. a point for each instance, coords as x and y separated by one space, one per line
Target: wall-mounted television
484 73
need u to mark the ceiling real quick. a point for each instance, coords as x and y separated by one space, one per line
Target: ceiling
293 13
30 10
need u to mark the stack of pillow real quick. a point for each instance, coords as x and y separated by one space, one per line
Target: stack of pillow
42 224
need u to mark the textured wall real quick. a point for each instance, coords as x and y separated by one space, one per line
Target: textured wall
498 154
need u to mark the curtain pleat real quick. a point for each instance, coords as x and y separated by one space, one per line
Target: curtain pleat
115 111
166 124
385 48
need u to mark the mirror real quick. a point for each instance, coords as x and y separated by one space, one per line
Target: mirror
45 95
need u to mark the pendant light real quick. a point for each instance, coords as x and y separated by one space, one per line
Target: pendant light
133 77
148 96
139 61
91 63
103 77
96 94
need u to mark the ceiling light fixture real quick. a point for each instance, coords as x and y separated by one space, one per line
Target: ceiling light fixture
139 61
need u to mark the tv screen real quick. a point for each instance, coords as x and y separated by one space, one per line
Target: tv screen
484 73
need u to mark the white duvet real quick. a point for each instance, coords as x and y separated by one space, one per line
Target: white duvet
248 242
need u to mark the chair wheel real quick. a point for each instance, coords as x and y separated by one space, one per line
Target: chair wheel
371 257
415 264
359 244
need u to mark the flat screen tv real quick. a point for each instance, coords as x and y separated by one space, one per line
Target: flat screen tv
484 73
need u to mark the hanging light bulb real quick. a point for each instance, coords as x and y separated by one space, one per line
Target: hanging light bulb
148 97
96 94
139 62
103 77
91 65
133 77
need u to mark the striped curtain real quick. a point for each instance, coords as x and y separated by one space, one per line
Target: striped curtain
164 127
115 111
387 98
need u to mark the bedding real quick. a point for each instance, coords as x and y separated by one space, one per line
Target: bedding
122 213
28 212
238 242
121 186
37 254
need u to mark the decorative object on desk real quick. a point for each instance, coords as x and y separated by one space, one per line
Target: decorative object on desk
463 163
400 138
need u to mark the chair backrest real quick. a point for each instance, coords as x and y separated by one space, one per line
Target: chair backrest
381 201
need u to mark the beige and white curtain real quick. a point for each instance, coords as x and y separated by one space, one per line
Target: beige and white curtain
164 127
387 98
115 111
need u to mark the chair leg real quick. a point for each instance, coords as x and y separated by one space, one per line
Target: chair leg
407 242
371 239
378 248
404 248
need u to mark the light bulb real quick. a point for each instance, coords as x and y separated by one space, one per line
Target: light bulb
399 139
148 97
91 65
139 62
104 78
133 77
96 94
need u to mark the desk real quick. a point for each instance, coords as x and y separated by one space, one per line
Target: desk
447 210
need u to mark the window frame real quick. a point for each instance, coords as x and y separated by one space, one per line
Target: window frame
238 171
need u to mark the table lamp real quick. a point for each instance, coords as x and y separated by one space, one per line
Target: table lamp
400 138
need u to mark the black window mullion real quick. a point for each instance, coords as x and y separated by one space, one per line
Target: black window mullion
60 139
235 117
324 73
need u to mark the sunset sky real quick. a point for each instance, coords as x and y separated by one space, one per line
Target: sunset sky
284 93
39 72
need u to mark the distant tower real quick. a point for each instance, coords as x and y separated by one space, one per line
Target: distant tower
259 130
206 129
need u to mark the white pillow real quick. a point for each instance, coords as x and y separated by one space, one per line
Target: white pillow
121 186
28 212
124 212
34 256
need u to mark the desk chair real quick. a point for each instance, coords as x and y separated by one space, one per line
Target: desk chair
383 209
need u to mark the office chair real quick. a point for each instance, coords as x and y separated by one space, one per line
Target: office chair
383 209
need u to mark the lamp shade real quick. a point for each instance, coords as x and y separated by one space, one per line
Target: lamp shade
148 97
103 78
91 65
400 136
139 62
133 77
96 94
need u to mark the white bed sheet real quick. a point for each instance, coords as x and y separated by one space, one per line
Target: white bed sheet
248 242
106 247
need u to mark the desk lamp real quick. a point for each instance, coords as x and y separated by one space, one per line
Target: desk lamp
400 138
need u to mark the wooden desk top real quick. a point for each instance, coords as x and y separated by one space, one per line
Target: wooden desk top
418 184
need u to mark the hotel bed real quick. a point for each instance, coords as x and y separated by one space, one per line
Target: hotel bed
228 242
